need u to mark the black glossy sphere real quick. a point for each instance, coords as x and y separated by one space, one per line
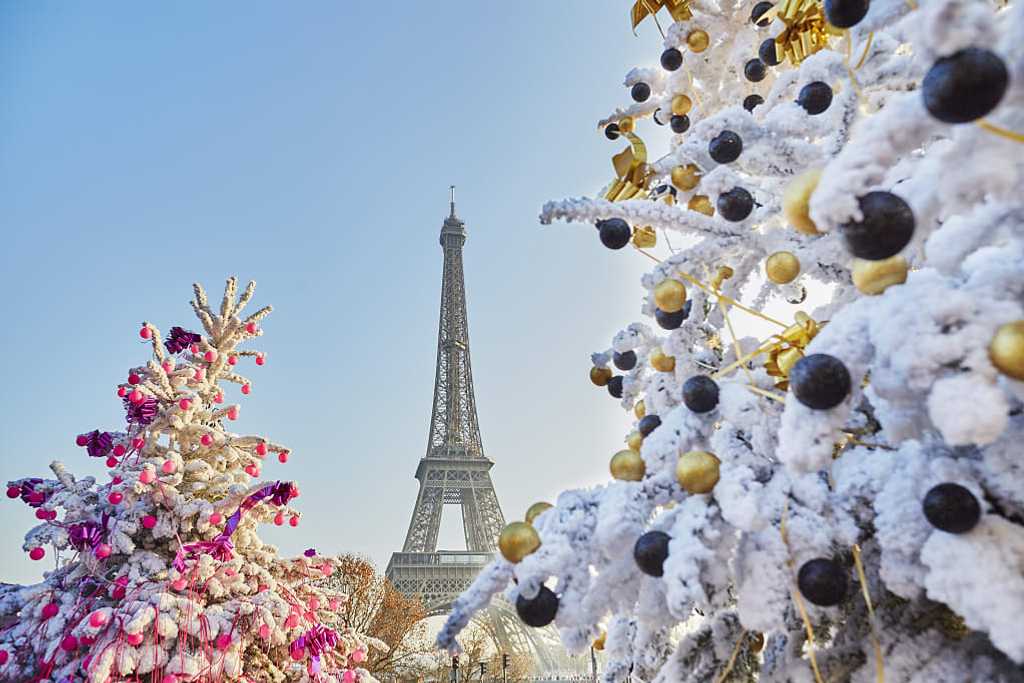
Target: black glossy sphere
965 85
845 13
759 9
680 123
651 551
671 59
611 131
700 394
614 232
815 97
540 611
767 52
640 92
751 101
657 120
624 361
886 226
648 423
951 507
754 70
725 147
672 321
615 386
820 381
822 582
735 205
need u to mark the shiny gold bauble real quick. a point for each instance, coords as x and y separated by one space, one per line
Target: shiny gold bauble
662 362
697 471
635 440
686 177
600 376
600 640
627 124
795 199
756 640
701 204
627 465
874 277
670 295
517 540
681 105
534 510
782 267
697 40
1007 349
639 409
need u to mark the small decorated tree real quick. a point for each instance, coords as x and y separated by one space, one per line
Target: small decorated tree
160 573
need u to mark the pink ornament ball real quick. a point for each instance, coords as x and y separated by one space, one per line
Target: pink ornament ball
122 391
260 359
134 378
261 448
246 389
278 519
52 515
294 493
194 348
115 498
97 619
168 366
327 569
50 610
69 644
42 514
294 521
103 551
3 657
292 621
111 461
233 413
134 638
169 678
119 450
218 397
282 456
232 360
359 656
147 476
210 356
145 332
206 440
138 442
199 374
13 491
265 632
37 554
314 603
215 518
81 440
185 403
252 470
223 640
179 585
250 328
169 467
349 676
136 396
149 521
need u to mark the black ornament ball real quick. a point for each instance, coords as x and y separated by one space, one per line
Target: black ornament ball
965 85
845 13
815 97
671 59
624 361
680 123
886 226
820 381
767 52
650 552
725 147
614 232
759 9
735 205
640 91
647 424
615 386
672 321
822 581
754 70
951 507
539 611
700 394
611 131
751 101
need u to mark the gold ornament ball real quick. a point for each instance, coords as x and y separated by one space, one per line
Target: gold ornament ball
1007 349
874 277
639 409
782 267
681 105
686 177
627 465
600 640
670 295
635 440
697 471
600 376
701 204
517 540
627 124
662 362
698 40
795 199
534 510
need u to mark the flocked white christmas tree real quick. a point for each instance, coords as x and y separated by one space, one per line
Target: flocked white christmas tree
844 499
161 575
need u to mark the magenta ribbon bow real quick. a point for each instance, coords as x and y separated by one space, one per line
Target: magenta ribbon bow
317 640
85 535
220 548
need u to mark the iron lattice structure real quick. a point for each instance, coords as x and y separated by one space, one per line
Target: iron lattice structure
455 471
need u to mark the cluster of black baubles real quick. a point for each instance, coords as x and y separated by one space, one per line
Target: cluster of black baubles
615 386
625 360
965 86
614 232
680 123
819 381
822 581
886 226
611 131
952 508
735 205
725 147
671 59
756 13
766 52
815 97
540 610
647 424
651 551
640 91
845 13
700 394
672 321
754 70
751 101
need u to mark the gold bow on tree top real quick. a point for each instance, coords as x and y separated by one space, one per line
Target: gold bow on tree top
806 32
679 9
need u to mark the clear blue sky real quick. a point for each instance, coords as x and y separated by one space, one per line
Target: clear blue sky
309 146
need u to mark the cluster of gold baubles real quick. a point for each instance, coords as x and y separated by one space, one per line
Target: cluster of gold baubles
696 471
519 539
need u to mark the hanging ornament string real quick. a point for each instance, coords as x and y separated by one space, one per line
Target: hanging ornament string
796 595
879 665
1000 131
